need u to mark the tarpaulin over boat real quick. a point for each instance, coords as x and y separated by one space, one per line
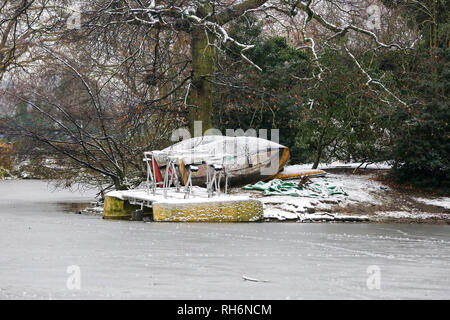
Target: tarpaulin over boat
246 159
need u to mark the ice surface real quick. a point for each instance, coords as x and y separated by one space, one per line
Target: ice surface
122 259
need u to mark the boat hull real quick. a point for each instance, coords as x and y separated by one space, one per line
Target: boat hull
259 167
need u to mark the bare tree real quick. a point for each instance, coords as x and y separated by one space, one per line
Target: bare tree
202 25
346 28
90 130
22 24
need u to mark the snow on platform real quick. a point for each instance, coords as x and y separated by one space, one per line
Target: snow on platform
198 195
174 207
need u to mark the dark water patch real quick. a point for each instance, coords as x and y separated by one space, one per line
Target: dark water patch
72 207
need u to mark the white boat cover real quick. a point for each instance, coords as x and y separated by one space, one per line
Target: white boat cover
217 148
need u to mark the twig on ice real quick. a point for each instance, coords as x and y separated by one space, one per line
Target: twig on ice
253 279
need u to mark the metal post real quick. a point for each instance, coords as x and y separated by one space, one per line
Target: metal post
226 182
154 172
148 174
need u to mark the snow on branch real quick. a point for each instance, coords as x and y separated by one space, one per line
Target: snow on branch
370 79
339 32
185 16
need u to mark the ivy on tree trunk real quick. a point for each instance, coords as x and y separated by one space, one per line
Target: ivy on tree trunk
203 67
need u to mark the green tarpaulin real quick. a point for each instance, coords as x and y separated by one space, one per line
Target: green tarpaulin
288 188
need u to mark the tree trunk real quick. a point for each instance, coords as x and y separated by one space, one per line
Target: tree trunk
201 91
318 156
319 150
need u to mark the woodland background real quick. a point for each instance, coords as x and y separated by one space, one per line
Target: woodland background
86 87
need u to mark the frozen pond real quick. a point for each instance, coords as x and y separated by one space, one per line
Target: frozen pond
40 239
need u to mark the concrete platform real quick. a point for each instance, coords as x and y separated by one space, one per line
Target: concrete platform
174 207
214 211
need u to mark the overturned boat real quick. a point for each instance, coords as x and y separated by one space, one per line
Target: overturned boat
244 159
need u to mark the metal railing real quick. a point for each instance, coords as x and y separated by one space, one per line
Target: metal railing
215 169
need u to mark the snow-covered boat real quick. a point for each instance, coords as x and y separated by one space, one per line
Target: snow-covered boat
170 195
245 159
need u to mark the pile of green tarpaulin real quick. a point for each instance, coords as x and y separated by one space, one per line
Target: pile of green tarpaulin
289 188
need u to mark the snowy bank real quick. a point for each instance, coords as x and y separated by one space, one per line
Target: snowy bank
443 202
364 199
358 189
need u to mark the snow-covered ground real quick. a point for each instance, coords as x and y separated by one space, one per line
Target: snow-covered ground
443 202
375 200
360 189
339 164
409 215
